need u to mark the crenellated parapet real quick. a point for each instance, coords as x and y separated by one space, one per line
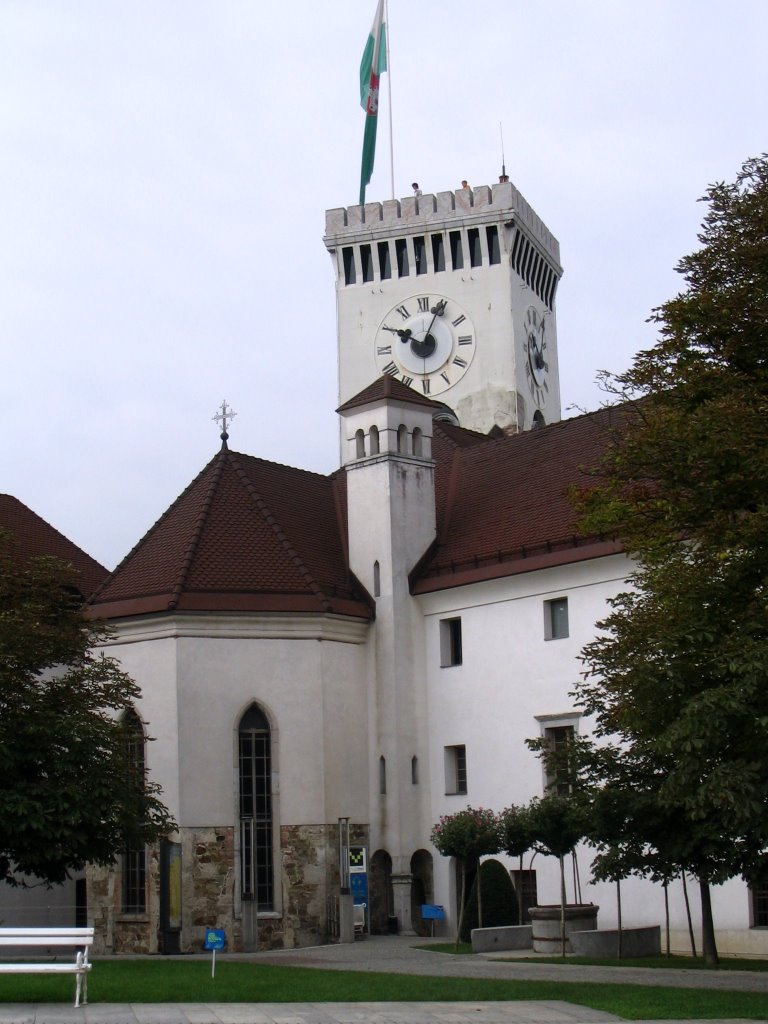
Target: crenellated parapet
485 204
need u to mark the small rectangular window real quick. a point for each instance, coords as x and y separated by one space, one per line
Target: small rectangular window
438 252
401 254
457 254
559 739
420 254
385 267
556 619
475 253
759 896
450 642
492 234
456 770
366 262
348 257
134 898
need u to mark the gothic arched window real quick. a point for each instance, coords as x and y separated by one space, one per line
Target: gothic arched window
134 887
255 769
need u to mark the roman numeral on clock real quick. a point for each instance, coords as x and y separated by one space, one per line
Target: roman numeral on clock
407 380
459 361
425 386
384 350
423 304
458 320
466 339
391 369
403 312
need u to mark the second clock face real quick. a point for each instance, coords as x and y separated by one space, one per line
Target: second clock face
427 341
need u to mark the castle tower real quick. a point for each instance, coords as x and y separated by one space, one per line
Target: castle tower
387 455
454 295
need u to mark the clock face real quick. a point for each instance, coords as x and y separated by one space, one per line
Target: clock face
535 353
427 342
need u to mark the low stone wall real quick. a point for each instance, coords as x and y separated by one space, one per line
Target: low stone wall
493 940
546 925
634 942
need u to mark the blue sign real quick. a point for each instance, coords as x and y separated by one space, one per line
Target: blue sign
358 885
432 912
214 938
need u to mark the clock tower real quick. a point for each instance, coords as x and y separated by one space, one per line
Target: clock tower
452 294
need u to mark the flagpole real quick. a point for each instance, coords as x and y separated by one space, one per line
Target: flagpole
389 96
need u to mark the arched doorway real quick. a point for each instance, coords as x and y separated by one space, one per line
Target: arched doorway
380 892
422 888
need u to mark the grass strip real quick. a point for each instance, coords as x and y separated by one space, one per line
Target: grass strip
676 963
158 981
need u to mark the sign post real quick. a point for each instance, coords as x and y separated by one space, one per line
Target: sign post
214 939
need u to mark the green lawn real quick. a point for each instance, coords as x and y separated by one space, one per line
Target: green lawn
168 981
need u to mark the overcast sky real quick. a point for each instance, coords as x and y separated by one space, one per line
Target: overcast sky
165 167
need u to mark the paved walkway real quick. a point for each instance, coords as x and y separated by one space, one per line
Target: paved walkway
399 955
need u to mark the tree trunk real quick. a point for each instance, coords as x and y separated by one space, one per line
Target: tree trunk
461 903
688 914
666 916
562 906
520 892
707 926
479 897
620 945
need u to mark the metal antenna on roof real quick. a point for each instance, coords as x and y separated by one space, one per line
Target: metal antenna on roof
224 416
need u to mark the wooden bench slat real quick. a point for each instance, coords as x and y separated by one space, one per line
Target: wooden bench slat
41 968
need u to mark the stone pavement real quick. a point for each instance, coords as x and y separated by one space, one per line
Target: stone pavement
396 954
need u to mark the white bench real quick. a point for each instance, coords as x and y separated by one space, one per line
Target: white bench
51 938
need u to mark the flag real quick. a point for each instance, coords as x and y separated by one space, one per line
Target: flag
373 63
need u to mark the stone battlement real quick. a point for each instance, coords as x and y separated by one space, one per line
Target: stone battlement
483 204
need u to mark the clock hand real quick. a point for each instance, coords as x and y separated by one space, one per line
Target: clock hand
424 347
404 335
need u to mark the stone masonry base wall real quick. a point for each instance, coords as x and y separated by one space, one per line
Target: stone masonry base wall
306 883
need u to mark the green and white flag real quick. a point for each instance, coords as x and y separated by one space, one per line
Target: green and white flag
374 62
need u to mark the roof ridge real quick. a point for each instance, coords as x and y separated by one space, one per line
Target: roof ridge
270 519
186 564
283 465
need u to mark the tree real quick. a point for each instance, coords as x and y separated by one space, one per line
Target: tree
516 842
467 835
678 675
68 794
556 826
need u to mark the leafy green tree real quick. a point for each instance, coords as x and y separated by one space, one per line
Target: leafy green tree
678 675
68 794
557 825
516 841
467 835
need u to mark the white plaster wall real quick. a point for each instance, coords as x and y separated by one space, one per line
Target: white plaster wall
194 691
509 675
152 665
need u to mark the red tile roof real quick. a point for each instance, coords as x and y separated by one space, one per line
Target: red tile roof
246 535
35 536
503 504
387 387
251 535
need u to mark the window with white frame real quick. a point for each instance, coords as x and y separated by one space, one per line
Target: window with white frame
559 732
556 618
456 769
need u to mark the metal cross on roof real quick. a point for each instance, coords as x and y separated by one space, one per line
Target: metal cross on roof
224 416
